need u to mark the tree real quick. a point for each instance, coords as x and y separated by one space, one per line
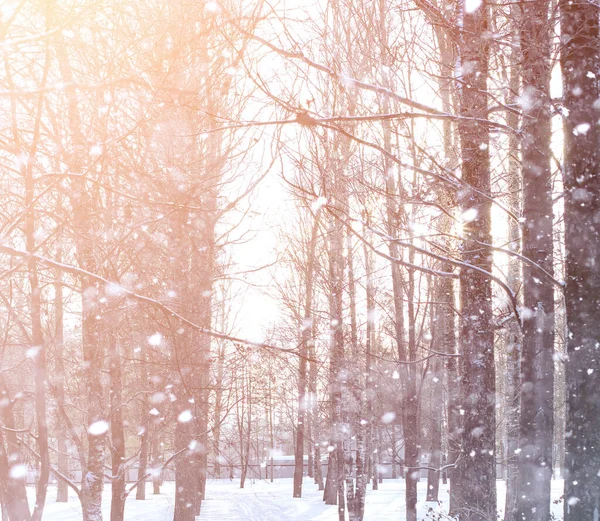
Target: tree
477 464
537 360
579 64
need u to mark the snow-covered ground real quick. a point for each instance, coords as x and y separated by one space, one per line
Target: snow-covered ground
265 501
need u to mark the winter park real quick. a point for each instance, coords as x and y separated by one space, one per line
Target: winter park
299 260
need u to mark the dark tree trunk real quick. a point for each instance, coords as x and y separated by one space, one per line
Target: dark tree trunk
580 40
477 466
537 363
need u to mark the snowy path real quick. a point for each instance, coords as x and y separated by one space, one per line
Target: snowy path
265 501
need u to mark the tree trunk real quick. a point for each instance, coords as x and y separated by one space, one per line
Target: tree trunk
537 363
314 416
156 464
117 504
12 466
580 40
140 493
411 404
477 465
440 329
38 346
62 495
513 348
92 482
307 329
218 405
334 489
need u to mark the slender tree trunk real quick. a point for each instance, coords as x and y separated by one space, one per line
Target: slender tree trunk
440 328
156 465
62 495
218 407
580 39
146 436
446 308
314 414
140 493
411 404
513 349
334 489
117 505
408 413
307 329
318 468
246 452
271 433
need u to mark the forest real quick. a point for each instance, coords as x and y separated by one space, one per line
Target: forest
299 260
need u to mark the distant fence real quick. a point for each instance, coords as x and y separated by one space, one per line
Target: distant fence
255 471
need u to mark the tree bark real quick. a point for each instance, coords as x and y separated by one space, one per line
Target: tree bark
117 504
580 41
62 494
477 465
537 362
14 493
307 329
514 337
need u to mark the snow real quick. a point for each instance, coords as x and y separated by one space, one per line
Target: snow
155 339
18 471
581 129
469 215
318 203
185 416
262 500
98 428
388 417
472 5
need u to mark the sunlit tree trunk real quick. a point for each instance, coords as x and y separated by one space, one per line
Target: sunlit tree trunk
117 505
62 494
514 340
